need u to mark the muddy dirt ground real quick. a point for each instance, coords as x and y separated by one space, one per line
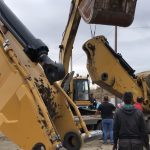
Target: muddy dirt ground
5 144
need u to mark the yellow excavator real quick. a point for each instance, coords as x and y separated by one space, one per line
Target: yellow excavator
34 110
106 68
118 12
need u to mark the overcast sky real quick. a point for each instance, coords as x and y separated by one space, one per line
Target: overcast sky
47 19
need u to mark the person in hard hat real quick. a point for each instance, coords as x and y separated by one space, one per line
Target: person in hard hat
130 127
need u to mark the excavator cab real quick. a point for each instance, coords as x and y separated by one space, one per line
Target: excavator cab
81 90
108 12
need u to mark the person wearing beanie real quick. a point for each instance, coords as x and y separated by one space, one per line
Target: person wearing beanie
130 127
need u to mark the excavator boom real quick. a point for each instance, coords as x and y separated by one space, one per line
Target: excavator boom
108 12
109 70
35 49
34 109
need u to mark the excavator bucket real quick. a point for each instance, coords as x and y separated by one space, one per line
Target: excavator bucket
108 12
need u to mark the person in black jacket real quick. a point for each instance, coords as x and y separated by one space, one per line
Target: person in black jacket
130 127
106 109
93 101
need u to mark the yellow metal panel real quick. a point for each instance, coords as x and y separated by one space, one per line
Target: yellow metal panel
53 101
65 120
100 61
28 130
20 119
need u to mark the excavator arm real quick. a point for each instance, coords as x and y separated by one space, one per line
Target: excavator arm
118 13
34 109
69 34
92 11
109 70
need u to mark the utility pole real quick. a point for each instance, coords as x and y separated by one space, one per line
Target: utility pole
116 38
71 63
116 44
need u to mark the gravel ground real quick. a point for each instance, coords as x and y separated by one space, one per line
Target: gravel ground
96 145
5 144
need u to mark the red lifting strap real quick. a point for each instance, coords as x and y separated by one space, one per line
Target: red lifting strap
108 12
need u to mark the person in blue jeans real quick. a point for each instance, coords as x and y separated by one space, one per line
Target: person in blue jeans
106 110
